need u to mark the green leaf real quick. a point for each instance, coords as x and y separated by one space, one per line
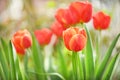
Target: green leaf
109 68
38 59
2 74
4 45
100 69
89 62
63 66
4 64
18 70
26 65
49 74
12 63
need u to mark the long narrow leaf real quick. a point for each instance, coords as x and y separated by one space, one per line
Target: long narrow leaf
62 63
100 69
50 74
26 65
89 62
2 74
12 63
18 70
5 49
4 64
109 69
38 59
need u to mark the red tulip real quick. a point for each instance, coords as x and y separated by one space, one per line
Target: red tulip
83 10
43 36
22 40
57 28
65 17
101 21
75 38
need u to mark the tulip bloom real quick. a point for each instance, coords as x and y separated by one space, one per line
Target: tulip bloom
83 10
75 38
43 36
65 17
22 40
57 28
101 21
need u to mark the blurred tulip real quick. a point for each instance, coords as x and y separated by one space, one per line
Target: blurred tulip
83 10
64 16
75 38
57 28
101 21
22 40
43 36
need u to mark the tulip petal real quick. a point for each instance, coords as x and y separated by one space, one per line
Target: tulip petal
77 42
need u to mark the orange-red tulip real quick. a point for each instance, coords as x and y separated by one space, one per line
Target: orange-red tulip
22 40
75 38
101 21
65 17
43 36
83 10
57 28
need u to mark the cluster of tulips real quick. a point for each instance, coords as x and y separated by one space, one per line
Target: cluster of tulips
66 19
69 27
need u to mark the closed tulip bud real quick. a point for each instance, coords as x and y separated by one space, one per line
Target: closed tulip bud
21 40
101 21
43 36
75 38
83 10
57 28
65 17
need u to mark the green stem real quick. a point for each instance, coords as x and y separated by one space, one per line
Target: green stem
74 64
81 70
98 39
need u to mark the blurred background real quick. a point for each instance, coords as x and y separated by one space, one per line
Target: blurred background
35 14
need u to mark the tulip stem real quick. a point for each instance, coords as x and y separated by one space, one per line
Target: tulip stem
98 39
74 64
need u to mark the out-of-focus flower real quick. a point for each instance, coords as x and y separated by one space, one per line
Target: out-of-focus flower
64 17
75 38
43 36
21 40
83 10
57 28
101 21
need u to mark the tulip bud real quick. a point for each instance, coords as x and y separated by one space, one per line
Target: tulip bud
64 17
83 10
22 40
57 28
43 36
101 21
75 38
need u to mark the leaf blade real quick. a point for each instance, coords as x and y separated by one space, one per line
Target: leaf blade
89 62
100 69
38 59
110 68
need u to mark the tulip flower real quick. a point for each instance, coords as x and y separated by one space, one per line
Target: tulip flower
43 36
75 38
22 40
57 28
101 21
65 17
83 10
